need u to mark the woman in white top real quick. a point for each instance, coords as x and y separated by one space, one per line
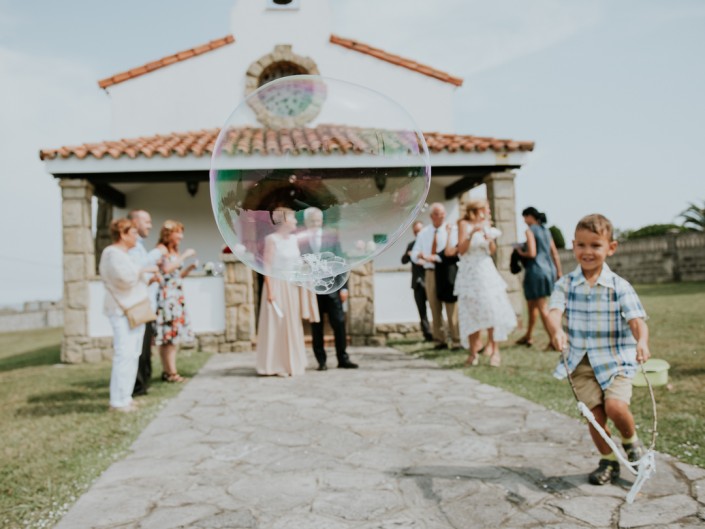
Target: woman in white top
126 285
483 303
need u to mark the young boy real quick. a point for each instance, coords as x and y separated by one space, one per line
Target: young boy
606 337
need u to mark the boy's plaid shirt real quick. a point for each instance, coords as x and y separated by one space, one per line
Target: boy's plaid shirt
596 321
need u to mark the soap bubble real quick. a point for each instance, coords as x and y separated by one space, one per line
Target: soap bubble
311 177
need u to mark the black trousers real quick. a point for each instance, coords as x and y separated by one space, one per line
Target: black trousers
144 367
331 305
420 298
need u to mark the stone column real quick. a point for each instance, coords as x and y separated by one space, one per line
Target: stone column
361 303
239 306
501 196
79 266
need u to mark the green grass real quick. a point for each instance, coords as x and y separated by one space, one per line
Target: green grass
677 331
57 435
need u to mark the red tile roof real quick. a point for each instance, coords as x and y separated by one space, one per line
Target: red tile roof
396 59
324 139
228 39
166 61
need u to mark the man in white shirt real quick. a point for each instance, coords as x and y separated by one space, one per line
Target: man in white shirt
430 243
143 222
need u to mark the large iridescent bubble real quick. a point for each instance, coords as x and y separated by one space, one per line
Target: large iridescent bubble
311 177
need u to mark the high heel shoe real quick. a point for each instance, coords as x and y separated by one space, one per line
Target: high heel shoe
525 340
472 360
172 377
495 359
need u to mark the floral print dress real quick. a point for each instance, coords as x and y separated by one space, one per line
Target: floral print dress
173 325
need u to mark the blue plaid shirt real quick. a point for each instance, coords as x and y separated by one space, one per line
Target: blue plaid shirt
596 321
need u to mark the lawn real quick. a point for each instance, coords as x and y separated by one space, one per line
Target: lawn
677 330
57 435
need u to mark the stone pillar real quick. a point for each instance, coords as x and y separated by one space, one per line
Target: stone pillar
79 266
501 196
239 306
361 303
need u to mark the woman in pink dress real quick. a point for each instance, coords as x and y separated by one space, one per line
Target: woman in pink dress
280 338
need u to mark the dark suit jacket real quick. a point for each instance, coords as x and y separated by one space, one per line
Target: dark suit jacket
418 274
446 271
329 243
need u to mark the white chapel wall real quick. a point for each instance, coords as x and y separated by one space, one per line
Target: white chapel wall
200 92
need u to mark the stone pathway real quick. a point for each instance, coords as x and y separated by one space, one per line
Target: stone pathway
398 443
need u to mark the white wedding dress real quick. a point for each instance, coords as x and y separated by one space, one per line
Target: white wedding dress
483 302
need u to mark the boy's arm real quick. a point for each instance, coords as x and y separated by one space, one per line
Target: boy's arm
641 334
556 307
555 330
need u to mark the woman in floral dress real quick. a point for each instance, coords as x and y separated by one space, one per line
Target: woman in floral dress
173 325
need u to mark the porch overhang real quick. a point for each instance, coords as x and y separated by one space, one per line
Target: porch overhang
455 172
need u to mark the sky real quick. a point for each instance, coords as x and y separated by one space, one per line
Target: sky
611 91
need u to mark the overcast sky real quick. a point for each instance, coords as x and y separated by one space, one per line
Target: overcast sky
611 91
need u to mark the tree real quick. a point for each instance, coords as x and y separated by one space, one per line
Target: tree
651 230
557 236
694 217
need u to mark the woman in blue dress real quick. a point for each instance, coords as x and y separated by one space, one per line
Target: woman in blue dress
542 269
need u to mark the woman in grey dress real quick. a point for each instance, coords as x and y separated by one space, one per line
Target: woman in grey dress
542 268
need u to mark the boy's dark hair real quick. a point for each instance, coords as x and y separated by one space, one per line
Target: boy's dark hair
533 212
598 224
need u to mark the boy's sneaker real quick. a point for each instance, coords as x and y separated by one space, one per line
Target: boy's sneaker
635 451
606 472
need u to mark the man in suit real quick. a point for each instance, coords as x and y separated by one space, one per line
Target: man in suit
418 284
316 240
428 250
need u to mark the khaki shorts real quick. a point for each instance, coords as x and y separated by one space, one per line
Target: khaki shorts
590 392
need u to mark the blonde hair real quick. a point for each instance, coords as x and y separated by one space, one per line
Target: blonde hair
473 207
169 227
119 227
598 224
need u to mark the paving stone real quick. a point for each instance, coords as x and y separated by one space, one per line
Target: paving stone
177 517
236 519
488 507
399 443
699 490
691 472
356 505
584 509
657 511
281 494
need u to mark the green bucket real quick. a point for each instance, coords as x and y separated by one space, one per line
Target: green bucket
656 371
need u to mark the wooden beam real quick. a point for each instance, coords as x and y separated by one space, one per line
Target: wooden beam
111 195
464 184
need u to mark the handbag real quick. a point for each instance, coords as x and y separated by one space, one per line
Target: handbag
139 313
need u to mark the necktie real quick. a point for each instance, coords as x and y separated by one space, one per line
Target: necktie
434 246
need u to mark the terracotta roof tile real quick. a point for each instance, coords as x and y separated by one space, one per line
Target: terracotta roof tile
165 61
228 39
395 59
323 139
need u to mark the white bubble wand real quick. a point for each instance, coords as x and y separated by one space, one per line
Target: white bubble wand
645 467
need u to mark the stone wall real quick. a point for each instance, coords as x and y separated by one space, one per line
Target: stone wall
361 303
32 315
662 259
393 332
